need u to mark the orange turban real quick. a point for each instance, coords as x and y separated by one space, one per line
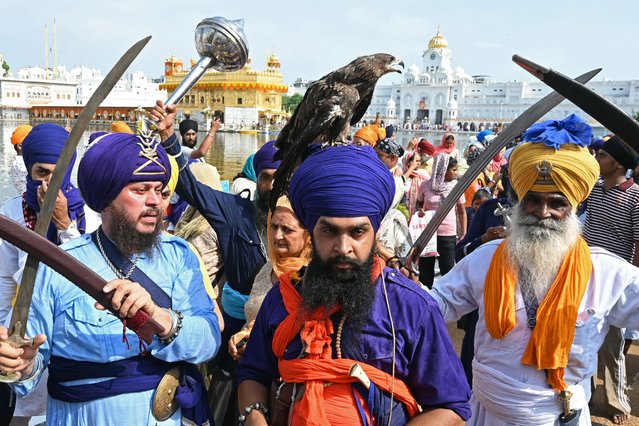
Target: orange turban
571 170
20 133
371 134
120 127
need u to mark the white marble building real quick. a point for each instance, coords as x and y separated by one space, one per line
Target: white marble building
35 86
437 93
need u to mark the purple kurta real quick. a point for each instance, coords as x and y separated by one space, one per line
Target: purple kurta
425 359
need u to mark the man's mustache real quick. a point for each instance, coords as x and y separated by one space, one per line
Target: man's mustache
548 223
151 211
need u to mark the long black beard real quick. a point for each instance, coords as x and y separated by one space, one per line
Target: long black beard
327 286
128 239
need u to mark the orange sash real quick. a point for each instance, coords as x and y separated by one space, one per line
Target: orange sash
318 367
551 339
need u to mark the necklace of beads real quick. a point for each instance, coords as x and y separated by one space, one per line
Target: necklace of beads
338 338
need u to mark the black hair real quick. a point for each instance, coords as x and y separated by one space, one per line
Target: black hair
482 194
451 163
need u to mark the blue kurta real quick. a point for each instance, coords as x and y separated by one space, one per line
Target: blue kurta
76 330
425 358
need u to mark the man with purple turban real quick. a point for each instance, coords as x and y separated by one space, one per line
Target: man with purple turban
100 374
351 339
240 225
41 148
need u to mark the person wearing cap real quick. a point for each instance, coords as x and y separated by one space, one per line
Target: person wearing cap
612 222
347 310
100 373
188 131
545 298
394 236
241 228
18 170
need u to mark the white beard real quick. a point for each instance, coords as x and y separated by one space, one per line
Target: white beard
537 247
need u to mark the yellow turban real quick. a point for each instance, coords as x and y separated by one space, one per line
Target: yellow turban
370 134
175 173
20 133
571 170
120 127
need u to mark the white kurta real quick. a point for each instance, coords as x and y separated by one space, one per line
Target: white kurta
500 381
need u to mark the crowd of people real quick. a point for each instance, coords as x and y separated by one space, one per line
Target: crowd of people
309 313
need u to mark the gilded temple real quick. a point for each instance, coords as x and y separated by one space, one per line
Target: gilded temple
246 98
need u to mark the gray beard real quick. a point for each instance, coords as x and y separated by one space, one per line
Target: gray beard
536 247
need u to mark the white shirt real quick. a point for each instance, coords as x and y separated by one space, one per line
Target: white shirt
612 298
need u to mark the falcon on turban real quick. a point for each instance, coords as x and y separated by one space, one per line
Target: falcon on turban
330 106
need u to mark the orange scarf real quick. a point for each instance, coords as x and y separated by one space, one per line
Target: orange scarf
551 339
318 367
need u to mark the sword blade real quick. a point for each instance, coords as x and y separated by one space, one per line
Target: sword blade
25 291
595 105
517 127
69 267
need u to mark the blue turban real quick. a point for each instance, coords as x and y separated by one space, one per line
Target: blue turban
342 181
248 169
390 130
115 160
186 125
481 136
93 136
44 144
555 133
264 158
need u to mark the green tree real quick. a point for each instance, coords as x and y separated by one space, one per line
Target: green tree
289 103
636 116
6 68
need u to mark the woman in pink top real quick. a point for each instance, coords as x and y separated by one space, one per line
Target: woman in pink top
431 195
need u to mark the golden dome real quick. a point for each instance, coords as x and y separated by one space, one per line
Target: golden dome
273 61
438 42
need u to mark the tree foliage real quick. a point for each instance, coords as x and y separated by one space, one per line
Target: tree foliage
289 103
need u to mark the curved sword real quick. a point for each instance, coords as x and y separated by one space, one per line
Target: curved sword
595 105
20 313
72 269
517 127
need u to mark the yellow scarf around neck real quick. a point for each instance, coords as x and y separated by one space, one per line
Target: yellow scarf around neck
551 339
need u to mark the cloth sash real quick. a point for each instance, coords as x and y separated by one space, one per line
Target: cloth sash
551 339
233 302
318 367
131 375
159 296
522 403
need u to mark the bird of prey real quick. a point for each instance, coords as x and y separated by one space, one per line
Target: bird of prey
330 106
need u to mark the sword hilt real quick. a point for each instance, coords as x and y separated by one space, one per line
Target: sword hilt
564 397
17 340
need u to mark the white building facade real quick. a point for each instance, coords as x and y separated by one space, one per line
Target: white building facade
59 88
438 95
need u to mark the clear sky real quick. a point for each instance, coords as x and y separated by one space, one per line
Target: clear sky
312 38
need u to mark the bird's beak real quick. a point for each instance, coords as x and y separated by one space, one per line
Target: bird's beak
396 64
